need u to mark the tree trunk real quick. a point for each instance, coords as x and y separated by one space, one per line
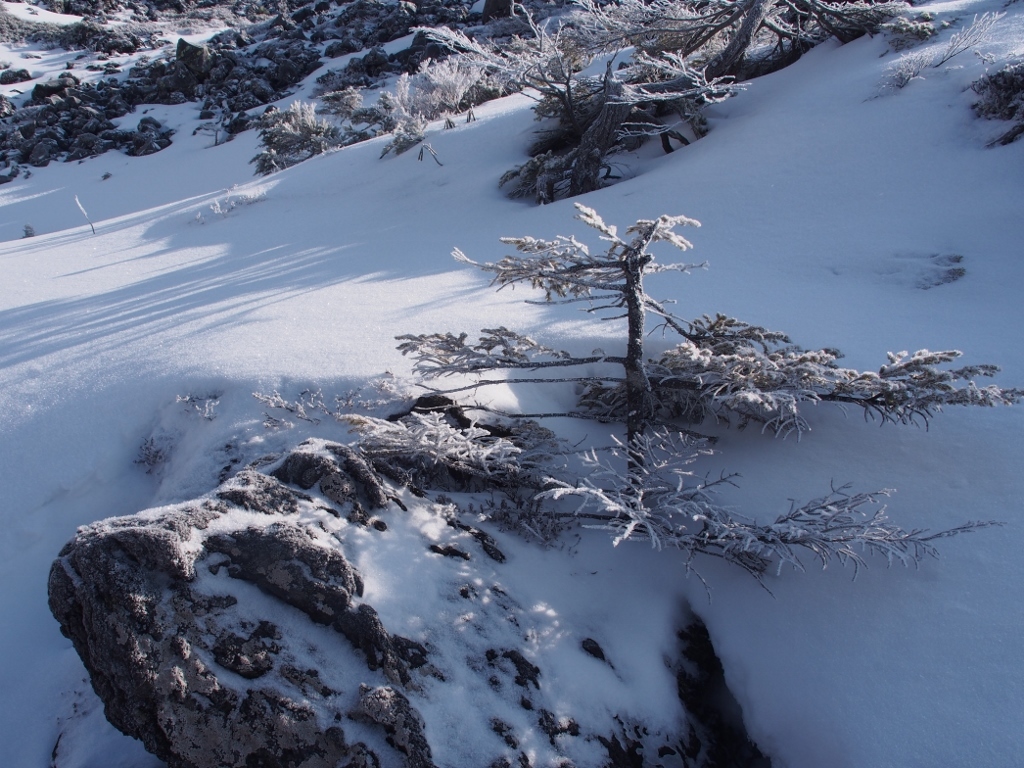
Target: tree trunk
724 62
599 137
639 402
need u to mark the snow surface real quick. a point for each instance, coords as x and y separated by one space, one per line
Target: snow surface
827 206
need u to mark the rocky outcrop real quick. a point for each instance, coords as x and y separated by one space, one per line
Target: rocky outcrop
67 120
235 631
235 73
113 40
176 616
389 708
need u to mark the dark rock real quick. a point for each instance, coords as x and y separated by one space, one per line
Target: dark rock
490 547
53 87
197 59
526 673
238 123
282 23
449 550
259 493
305 469
558 726
504 730
716 723
287 72
342 47
86 140
149 125
627 753
367 480
344 476
590 646
165 646
11 76
230 39
375 62
42 152
307 680
389 708
249 657
283 561
494 9
363 628
103 39
181 79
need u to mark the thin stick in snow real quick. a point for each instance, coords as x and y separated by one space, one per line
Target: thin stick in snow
82 209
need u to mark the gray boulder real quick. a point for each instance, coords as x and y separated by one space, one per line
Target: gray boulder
196 58
388 707
177 613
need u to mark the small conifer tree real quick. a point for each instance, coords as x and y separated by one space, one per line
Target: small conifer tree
723 366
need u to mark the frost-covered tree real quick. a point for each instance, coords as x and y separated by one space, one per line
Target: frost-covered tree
722 367
566 270
684 54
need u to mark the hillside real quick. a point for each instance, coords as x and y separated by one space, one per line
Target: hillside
832 208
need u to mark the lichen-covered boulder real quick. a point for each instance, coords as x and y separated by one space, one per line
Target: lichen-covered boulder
205 626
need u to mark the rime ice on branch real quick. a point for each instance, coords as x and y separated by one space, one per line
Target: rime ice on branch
723 368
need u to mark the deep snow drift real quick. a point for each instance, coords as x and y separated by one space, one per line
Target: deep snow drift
827 208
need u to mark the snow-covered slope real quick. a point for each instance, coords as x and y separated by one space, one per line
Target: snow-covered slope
827 207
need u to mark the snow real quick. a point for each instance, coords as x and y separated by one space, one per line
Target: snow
826 204
29 12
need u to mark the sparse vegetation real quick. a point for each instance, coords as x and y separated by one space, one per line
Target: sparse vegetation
1002 98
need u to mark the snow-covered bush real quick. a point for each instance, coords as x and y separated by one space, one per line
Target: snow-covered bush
905 32
439 89
1002 98
409 133
910 65
341 104
722 367
428 450
291 136
729 368
906 68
